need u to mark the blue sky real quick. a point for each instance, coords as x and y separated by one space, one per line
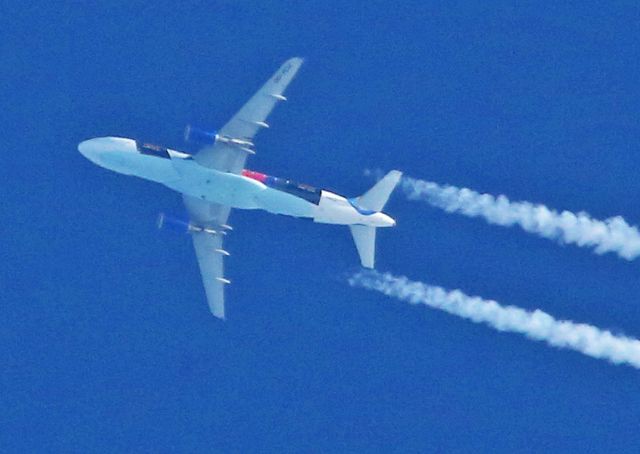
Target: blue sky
107 341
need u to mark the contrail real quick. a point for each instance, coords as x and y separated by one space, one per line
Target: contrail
536 325
610 235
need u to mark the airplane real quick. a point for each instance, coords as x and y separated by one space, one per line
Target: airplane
214 180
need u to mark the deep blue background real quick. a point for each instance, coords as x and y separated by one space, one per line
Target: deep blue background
106 340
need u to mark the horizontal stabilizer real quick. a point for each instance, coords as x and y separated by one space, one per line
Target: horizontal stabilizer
365 238
376 197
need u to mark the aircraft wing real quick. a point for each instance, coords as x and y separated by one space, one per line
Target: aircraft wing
230 157
209 249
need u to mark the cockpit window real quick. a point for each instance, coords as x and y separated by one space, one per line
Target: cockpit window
152 150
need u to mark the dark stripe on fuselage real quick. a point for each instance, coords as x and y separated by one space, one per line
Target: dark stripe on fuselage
306 192
152 150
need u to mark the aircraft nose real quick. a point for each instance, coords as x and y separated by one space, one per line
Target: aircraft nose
87 148
103 150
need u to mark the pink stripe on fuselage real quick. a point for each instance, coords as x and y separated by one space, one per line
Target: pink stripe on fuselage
261 177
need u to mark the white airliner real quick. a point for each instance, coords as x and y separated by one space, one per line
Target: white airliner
214 180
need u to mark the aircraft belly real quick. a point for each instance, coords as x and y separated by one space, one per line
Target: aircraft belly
279 202
334 209
156 169
147 167
216 187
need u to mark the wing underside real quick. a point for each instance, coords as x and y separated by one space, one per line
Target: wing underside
229 154
244 125
209 249
211 269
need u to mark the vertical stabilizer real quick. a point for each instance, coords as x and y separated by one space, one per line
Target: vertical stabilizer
365 238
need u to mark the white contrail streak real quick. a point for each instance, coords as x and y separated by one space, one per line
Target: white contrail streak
610 235
536 325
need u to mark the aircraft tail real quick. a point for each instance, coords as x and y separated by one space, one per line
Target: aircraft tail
374 199
365 238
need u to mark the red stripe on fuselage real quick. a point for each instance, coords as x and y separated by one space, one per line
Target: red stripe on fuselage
261 177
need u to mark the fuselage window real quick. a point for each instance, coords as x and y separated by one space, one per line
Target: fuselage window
152 150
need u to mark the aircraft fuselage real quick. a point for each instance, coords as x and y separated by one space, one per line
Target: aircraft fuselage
249 190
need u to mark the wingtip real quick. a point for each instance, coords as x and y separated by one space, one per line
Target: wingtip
296 60
396 174
220 315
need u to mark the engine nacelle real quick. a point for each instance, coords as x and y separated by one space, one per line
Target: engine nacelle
184 226
198 136
173 224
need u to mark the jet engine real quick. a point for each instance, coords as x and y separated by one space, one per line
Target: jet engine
198 136
173 224
178 225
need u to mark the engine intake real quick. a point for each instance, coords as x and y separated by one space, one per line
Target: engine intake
198 136
184 226
173 224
